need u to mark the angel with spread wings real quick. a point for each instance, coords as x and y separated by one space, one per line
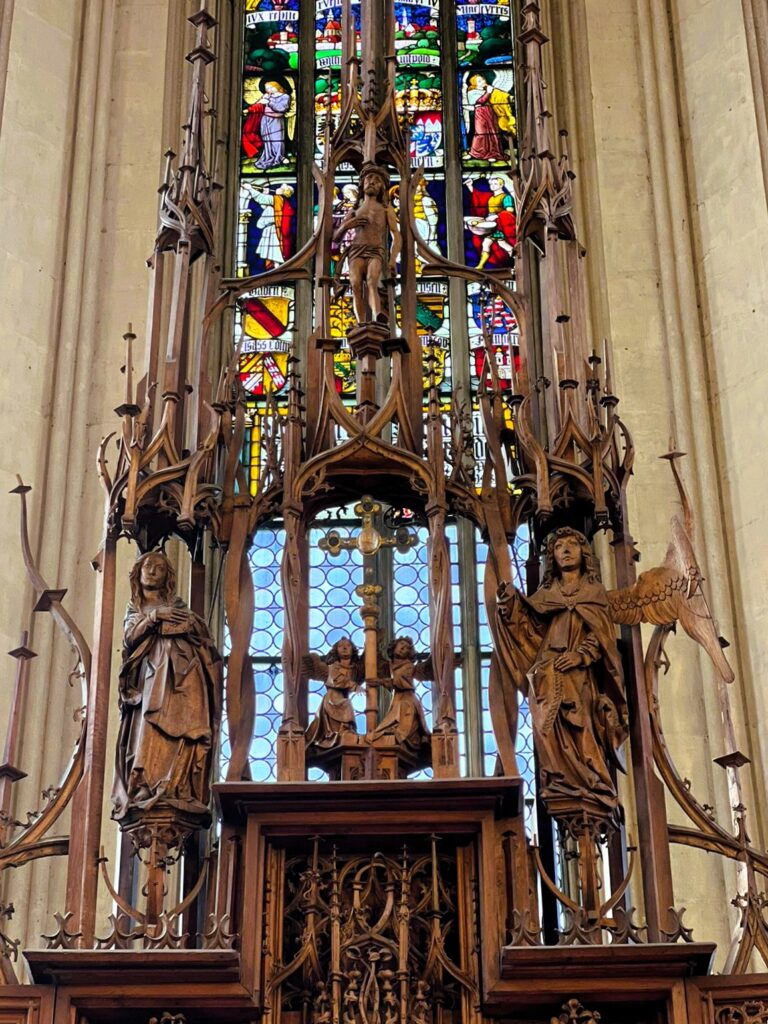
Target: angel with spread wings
564 658
405 720
342 671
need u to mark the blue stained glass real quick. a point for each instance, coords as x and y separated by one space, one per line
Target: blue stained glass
337 577
337 617
408 617
332 579
269 703
524 745
265 647
328 32
411 599
524 742
268 550
407 575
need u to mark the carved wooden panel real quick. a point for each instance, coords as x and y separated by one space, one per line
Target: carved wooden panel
26 1004
735 999
355 936
744 1011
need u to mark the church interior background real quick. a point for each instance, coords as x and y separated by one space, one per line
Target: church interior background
384 572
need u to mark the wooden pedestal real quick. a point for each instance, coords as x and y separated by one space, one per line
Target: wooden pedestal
477 822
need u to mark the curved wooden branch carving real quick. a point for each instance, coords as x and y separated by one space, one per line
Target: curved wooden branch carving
30 843
708 834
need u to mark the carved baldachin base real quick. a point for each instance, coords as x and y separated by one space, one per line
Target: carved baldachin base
160 833
290 753
368 339
346 761
387 760
583 818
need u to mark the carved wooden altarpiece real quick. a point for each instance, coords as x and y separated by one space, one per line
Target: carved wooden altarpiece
373 897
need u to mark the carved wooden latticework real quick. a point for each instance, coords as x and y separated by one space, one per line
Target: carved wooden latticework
373 937
751 1011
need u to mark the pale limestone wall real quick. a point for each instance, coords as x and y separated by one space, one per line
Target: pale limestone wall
80 155
729 217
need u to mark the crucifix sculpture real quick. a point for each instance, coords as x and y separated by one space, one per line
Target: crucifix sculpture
369 541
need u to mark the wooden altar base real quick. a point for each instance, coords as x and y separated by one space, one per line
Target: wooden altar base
264 825
362 816
642 976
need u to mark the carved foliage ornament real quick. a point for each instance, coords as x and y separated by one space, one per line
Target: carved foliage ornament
751 1011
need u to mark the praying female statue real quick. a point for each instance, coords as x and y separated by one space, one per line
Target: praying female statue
566 662
170 698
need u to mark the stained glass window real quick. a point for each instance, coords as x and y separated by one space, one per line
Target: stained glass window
265 652
455 87
484 33
417 36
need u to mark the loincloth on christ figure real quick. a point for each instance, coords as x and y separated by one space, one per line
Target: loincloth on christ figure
365 251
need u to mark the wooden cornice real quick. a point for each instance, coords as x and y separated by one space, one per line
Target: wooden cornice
420 801
128 969
636 973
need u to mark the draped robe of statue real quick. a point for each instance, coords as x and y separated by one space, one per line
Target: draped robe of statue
169 699
405 720
336 715
579 716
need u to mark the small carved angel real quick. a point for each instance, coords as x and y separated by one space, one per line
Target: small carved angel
342 672
405 719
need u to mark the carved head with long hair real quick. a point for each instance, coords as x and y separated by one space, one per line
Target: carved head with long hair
378 174
335 653
589 564
406 641
166 590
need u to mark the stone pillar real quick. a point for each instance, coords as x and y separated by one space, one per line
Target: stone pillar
80 157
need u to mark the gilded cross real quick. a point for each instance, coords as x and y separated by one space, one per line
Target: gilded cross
368 542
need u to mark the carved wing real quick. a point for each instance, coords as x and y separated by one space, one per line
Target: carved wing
672 593
315 667
358 671
424 671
